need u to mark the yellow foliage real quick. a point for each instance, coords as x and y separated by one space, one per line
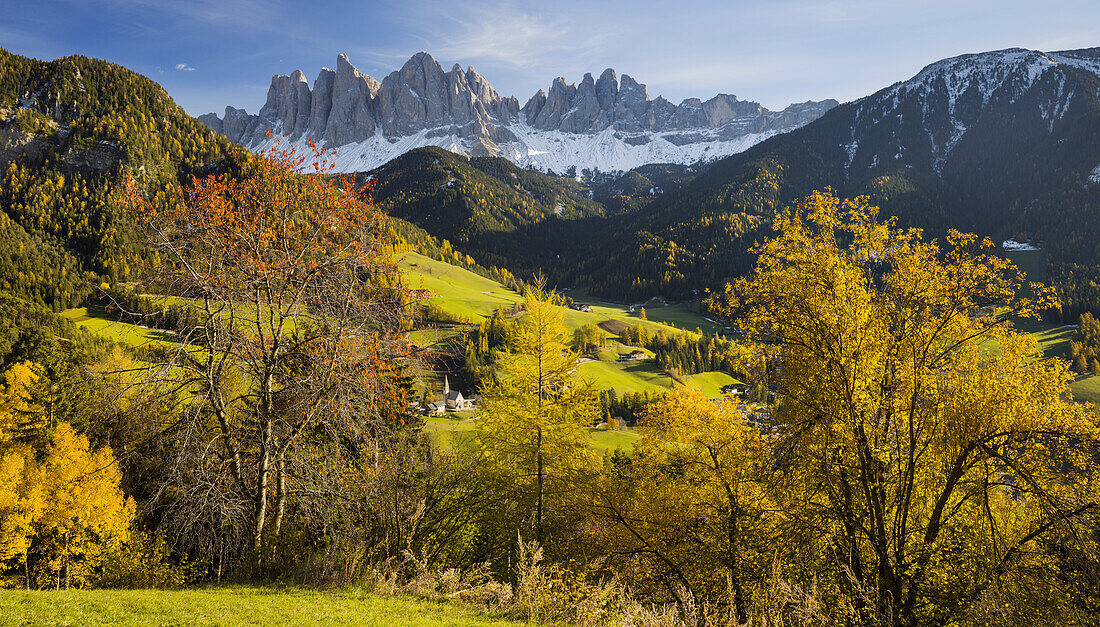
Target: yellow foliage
911 434
65 508
15 405
534 414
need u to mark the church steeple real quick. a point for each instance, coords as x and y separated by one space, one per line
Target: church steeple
446 386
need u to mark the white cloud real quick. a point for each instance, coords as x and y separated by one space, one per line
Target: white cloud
183 67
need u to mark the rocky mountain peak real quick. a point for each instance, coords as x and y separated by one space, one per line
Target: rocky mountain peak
421 103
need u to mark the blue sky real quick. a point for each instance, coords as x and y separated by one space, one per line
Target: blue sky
210 53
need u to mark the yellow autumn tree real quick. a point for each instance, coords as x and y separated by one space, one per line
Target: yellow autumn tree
930 460
84 508
695 518
59 507
534 412
16 408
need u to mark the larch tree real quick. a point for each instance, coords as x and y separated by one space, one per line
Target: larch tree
930 457
535 410
291 376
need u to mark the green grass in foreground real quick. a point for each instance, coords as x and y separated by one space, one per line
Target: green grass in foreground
230 606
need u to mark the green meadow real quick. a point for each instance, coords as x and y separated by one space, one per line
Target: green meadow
97 320
231 605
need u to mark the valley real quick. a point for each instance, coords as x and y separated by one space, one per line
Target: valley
591 358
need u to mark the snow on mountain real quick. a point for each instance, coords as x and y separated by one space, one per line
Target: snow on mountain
609 150
1011 244
987 72
1088 60
604 124
923 120
606 150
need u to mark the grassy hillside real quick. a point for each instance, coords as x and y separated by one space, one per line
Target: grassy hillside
473 298
97 321
455 431
457 290
229 606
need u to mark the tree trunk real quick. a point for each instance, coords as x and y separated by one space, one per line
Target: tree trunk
261 496
538 506
280 498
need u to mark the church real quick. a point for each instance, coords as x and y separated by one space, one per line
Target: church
454 400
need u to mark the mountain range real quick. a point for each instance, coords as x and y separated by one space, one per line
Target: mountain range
1005 144
609 123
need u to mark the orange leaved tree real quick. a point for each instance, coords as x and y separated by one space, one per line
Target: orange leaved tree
289 371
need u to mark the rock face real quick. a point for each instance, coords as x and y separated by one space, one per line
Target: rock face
422 104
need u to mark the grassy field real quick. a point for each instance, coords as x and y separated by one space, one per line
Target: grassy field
456 431
1032 262
96 320
638 376
451 431
230 606
1086 389
608 441
1053 340
709 383
658 313
472 297
465 294
457 290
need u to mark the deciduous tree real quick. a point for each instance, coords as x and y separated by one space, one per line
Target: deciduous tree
291 377
930 452
693 515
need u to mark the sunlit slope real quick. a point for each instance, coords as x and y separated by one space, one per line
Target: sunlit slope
472 297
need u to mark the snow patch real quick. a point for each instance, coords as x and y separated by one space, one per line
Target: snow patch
1012 70
1011 244
607 150
1089 64
851 148
1094 176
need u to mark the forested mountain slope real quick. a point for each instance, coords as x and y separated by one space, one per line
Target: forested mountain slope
1005 144
486 206
69 129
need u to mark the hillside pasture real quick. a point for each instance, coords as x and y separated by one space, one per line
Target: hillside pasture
456 290
96 320
709 383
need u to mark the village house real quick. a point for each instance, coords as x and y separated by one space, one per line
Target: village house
633 355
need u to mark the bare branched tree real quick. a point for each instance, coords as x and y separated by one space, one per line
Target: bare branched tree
291 372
